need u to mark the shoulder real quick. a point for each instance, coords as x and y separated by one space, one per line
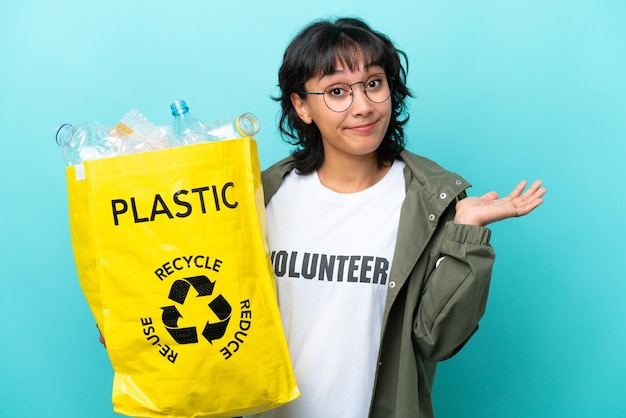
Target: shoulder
273 176
429 175
419 164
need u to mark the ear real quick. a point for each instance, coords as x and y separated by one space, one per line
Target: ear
301 107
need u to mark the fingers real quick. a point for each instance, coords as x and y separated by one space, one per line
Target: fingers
535 187
530 199
539 191
517 191
534 191
101 336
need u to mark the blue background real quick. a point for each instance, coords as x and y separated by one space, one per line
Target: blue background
505 90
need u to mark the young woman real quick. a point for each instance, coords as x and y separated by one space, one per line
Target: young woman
382 263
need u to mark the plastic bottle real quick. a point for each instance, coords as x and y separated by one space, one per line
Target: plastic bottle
187 128
246 124
190 130
143 130
92 141
85 141
123 140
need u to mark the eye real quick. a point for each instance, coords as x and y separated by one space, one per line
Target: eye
374 83
338 91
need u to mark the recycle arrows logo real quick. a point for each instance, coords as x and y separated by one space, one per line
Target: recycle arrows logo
178 293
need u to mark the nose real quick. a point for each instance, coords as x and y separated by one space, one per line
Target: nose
361 104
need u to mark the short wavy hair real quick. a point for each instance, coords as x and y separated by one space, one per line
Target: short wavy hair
315 51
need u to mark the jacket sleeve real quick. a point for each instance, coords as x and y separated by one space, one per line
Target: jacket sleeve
454 296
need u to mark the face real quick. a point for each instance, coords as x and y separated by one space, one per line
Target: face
357 131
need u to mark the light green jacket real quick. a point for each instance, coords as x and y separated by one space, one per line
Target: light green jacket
430 313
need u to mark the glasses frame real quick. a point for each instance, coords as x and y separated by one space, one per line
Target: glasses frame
323 93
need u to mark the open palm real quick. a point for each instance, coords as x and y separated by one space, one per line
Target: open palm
490 208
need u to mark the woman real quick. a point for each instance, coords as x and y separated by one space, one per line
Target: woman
382 263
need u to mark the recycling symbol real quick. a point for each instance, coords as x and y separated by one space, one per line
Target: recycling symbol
204 289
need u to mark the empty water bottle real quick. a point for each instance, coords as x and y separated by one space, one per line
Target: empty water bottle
85 141
187 128
92 141
227 127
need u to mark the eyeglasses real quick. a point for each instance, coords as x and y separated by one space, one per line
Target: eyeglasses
339 96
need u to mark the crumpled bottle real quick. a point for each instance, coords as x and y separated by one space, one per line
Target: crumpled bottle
145 131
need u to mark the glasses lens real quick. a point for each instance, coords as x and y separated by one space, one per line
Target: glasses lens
377 88
338 97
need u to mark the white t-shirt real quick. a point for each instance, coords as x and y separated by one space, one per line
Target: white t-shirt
332 256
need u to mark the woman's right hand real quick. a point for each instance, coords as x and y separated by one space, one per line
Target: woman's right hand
101 338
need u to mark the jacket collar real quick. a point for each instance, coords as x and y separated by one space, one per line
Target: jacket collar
430 191
273 177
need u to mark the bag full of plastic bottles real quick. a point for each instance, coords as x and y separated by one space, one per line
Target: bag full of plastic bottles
167 225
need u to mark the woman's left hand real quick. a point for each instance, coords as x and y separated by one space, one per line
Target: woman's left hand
489 208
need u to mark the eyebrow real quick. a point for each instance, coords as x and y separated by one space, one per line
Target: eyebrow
341 71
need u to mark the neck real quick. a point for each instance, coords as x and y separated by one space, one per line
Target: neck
352 175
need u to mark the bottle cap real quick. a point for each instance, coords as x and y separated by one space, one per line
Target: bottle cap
247 124
64 134
179 107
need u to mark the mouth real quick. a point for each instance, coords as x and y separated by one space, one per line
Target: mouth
364 128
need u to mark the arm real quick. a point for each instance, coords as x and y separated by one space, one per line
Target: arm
454 297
